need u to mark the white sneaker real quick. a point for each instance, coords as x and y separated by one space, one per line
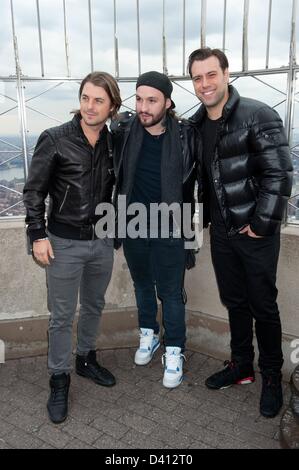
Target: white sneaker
149 343
173 367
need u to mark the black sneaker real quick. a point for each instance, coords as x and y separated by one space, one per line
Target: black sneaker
87 366
230 375
271 397
58 400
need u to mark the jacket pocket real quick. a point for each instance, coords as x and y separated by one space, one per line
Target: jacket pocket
59 243
272 135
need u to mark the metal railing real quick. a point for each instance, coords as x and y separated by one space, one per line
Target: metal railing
22 79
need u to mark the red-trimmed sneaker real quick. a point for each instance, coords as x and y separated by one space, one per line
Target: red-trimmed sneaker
232 374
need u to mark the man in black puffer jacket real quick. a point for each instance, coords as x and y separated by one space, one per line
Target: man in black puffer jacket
157 160
246 185
73 164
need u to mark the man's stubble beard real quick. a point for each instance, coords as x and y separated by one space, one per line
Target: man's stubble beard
160 119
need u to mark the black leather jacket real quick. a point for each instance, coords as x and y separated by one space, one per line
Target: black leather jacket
251 168
76 176
191 147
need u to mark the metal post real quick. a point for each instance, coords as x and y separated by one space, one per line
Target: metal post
20 95
268 34
224 26
23 118
90 36
291 85
116 61
40 40
66 45
138 37
291 76
14 38
245 36
184 37
164 53
203 23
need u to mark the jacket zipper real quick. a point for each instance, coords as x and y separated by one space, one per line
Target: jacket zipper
64 199
92 183
253 188
189 173
217 178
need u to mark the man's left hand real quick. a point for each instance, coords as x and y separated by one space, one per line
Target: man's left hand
249 232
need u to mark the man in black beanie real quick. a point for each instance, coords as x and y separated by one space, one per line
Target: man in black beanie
157 161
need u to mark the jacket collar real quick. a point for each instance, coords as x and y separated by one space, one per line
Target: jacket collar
229 106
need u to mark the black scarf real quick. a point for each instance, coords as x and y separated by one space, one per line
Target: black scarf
171 160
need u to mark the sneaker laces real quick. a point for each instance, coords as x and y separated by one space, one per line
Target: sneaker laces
229 364
59 394
145 341
270 381
270 390
172 360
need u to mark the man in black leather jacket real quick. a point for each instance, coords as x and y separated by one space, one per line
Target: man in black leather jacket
246 185
157 161
73 164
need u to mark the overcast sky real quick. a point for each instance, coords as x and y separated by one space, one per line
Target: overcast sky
58 102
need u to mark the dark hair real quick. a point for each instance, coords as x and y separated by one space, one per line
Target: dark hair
203 54
106 81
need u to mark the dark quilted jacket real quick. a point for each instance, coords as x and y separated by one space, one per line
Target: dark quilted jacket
251 168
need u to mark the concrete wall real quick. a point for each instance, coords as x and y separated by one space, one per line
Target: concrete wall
24 315
23 282
23 300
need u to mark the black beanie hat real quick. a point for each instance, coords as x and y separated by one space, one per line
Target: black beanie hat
157 80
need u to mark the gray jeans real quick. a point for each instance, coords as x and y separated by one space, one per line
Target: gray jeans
81 267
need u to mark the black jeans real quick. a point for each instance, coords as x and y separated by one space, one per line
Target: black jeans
159 265
245 270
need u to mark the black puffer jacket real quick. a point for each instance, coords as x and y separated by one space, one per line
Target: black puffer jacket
76 176
252 167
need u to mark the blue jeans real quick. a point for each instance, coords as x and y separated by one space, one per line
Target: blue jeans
157 268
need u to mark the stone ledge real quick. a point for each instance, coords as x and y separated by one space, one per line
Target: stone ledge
289 431
289 425
210 335
119 328
294 403
28 337
295 381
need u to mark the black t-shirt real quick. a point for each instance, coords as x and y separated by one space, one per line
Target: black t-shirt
209 133
147 180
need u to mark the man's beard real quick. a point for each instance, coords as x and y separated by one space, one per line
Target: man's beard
156 120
